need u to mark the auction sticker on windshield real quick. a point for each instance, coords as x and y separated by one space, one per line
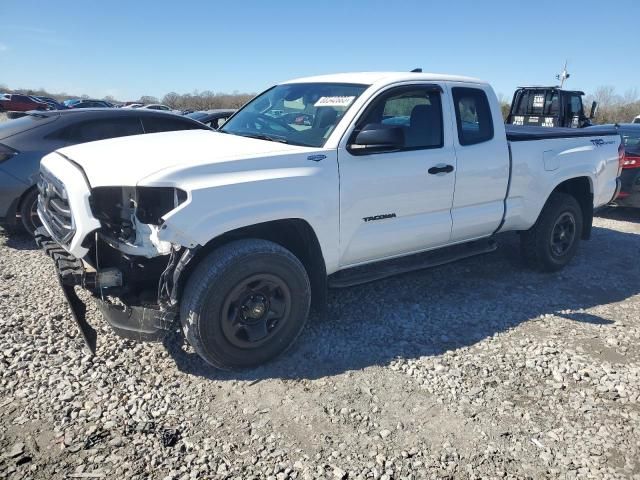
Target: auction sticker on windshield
334 101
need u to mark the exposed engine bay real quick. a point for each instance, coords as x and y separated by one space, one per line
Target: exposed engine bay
131 217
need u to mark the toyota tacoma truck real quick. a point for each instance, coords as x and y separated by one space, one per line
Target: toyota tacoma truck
233 235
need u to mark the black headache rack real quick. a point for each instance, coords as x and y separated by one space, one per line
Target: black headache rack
134 322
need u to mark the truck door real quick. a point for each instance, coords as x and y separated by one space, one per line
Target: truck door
482 155
398 202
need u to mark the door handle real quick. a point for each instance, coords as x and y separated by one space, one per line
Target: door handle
441 168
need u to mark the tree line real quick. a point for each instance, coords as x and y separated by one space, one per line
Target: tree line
612 107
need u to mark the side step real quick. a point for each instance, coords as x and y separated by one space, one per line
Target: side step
387 268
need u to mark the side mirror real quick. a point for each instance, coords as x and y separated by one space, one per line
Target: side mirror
594 110
377 138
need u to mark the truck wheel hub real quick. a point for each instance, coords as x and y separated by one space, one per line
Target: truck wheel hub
254 307
563 234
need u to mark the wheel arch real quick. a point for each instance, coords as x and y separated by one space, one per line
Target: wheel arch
23 196
580 188
294 234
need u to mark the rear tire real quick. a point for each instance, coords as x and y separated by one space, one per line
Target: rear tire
29 211
245 304
553 241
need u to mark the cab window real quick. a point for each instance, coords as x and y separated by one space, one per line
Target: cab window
473 115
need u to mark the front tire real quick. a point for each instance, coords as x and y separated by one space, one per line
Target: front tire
553 241
245 304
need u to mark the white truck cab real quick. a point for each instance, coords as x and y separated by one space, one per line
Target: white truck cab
322 181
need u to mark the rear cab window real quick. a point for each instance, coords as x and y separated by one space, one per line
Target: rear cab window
473 115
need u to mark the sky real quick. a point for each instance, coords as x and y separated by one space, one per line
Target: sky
131 48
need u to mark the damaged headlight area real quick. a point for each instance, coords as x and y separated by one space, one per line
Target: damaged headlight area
131 217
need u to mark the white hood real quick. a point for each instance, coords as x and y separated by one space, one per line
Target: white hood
125 161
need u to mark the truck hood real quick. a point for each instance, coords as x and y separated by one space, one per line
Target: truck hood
127 160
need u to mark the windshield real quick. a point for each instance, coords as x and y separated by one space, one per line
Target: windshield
297 113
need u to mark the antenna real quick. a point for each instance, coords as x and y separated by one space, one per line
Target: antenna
564 75
416 70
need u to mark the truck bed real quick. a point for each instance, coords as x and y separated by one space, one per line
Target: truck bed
520 133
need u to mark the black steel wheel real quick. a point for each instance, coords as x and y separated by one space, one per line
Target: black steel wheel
245 303
563 234
256 310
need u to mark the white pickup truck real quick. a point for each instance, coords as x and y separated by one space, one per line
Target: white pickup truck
318 182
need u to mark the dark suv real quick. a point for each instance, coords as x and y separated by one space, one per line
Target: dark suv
24 141
629 195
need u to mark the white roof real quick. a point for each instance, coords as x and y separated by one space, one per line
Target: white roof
369 78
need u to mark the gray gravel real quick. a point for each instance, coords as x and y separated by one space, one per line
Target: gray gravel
479 369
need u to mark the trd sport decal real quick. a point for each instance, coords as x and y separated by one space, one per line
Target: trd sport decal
379 217
598 142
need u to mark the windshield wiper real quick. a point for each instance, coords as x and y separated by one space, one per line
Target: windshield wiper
262 136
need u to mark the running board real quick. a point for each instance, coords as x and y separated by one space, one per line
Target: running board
387 268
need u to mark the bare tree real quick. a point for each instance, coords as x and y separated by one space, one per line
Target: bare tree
147 99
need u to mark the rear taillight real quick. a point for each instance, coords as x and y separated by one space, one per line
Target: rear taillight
631 162
620 158
6 153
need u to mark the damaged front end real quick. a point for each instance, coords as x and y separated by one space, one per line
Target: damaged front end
132 274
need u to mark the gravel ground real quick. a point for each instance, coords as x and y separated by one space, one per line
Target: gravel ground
479 369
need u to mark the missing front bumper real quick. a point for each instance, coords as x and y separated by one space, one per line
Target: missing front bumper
142 323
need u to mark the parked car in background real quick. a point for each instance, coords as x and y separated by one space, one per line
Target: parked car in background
157 106
24 141
637 119
629 195
212 118
90 103
14 102
52 102
133 105
160 107
67 103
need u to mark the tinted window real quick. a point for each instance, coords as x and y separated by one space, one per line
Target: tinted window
93 130
473 115
552 104
168 124
631 140
417 110
575 105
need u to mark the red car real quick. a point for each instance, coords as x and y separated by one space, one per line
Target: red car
13 102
